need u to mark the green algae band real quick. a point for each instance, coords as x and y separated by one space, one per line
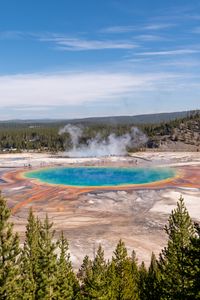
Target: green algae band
96 176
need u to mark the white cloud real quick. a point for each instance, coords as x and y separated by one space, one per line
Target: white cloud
75 88
159 26
119 29
149 37
126 29
69 43
169 52
76 44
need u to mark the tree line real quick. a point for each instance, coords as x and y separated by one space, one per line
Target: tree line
46 137
41 269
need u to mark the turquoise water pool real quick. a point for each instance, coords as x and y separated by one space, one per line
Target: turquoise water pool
98 176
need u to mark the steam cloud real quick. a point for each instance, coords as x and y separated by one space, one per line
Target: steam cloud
96 147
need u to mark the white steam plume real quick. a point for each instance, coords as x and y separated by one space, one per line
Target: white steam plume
96 147
75 133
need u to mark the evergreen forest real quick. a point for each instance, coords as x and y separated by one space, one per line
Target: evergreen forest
44 136
41 268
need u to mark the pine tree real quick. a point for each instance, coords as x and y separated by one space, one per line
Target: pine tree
173 258
83 273
66 283
30 258
9 253
125 281
111 280
153 280
193 265
47 263
85 269
95 283
134 267
143 281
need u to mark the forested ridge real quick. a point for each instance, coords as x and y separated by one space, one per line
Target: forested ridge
41 136
42 269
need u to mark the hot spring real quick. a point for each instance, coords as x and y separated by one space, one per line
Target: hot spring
101 176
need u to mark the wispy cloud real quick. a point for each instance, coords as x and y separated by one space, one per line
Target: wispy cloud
11 35
143 27
82 94
149 37
169 52
119 29
77 44
66 43
74 88
159 26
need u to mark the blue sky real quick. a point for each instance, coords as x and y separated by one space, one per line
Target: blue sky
75 58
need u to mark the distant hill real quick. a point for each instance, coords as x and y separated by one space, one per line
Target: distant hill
178 131
126 120
138 119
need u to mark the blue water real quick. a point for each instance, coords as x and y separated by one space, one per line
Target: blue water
97 176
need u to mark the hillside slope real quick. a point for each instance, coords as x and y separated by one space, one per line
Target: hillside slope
112 120
181 134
